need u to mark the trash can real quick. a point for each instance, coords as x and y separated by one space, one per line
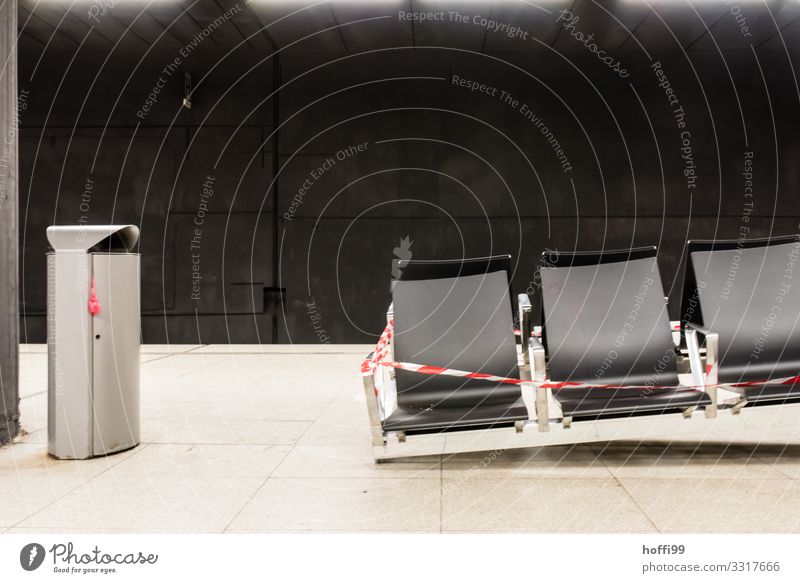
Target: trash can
93 331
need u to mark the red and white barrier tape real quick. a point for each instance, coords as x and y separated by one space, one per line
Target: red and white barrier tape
382 350
438 370
533 333
783 381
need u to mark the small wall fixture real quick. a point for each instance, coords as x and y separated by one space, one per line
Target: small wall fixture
187 91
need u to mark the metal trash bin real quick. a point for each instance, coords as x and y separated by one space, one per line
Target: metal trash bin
93 331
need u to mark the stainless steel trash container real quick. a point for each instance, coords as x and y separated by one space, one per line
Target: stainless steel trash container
93 331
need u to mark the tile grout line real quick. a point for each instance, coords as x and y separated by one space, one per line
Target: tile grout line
198 347
242 353
163 355
288 452
774 466
441 494
257 490
44 392
634 500
81 485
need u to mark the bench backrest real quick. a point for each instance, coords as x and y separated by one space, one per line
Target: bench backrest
605 318
748 292
454 321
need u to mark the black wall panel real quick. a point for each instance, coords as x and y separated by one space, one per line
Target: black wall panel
372 148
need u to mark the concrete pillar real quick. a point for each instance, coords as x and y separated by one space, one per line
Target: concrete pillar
9 240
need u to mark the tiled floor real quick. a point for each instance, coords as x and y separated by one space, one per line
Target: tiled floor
274 438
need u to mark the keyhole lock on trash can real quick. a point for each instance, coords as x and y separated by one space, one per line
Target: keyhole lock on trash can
93 331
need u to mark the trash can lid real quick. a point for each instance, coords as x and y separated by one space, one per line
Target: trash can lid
84 237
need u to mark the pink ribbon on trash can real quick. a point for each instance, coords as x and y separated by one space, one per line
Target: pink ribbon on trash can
94 303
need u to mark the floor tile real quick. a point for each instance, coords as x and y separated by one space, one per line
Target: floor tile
542 462
33 413
784 458
210 461
240 408
349 504
32 459
304 349
32 374
219 430
733 505
348 461
540 505
24 495
168 348
47 530
39 436
276 439
323 432
32 348
154 504
682 461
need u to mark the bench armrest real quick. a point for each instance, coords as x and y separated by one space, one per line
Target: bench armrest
710 340
373 409
696 327
524 311
538 359
706 377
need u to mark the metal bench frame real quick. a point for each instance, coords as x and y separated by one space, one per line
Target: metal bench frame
547 425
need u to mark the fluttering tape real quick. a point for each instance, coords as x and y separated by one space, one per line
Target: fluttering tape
782 381
94 303
370 365
381 350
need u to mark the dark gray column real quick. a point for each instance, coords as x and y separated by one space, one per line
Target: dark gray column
9 242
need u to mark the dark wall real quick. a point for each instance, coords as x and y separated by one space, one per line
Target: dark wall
87 155
405 154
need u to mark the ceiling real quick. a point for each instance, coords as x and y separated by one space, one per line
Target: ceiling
341 26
